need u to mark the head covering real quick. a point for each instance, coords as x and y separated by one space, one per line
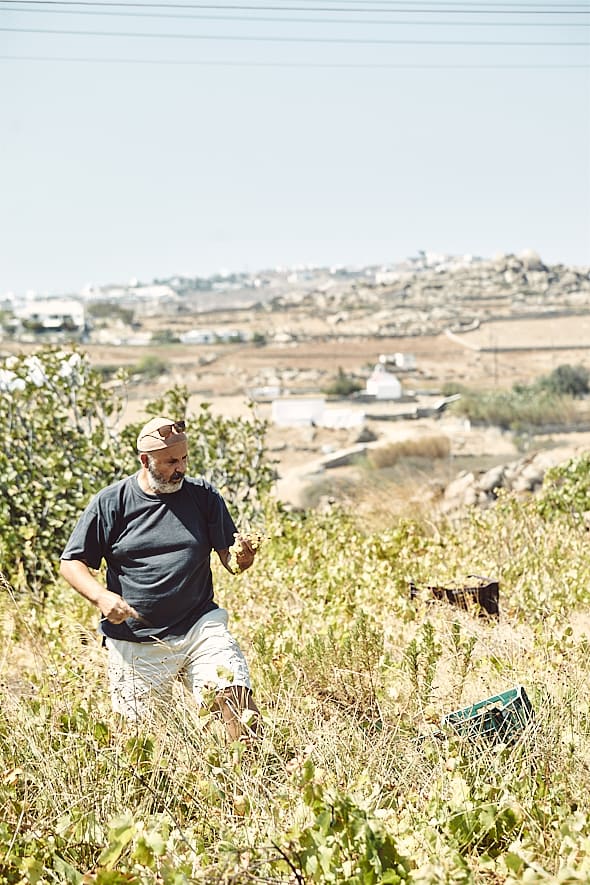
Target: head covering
160 433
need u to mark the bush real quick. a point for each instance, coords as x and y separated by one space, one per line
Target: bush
518 409
342 385
60 445
567 380
229 452
110 310
150 367
165 336
566 488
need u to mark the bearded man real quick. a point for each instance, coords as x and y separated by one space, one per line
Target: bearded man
156 530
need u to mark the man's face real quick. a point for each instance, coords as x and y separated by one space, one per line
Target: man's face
166 468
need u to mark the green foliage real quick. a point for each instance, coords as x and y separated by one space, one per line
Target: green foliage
349 782
150 367
547 401
480 816
421 658
110 310
230 452
566 380
57 448
342 384
165 336
518 409
259 339
343 843
566 488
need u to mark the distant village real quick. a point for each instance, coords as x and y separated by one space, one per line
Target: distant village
426 295
423 295
114 313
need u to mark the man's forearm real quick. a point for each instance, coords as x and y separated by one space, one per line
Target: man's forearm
79 576
114 608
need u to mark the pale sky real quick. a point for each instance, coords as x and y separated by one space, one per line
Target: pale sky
329 132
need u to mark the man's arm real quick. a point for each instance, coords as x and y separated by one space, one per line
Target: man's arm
241 555
113 607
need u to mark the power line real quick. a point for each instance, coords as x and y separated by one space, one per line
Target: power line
489 9
242 38
291 20
232 63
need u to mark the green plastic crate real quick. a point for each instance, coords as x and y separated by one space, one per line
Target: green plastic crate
499 718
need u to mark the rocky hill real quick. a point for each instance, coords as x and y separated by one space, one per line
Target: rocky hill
420 301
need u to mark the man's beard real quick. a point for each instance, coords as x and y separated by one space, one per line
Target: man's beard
159 484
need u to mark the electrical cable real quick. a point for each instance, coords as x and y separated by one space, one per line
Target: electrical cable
489 9
241 38
290 20
232 63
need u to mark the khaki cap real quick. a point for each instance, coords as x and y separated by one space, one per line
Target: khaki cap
160 433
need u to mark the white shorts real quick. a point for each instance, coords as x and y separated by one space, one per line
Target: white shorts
141 673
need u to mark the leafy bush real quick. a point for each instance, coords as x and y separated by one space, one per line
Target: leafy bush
230 452
516 410
150 367
343 843
61 444
566 488
165 336
110 310
343 385
547 401
567 380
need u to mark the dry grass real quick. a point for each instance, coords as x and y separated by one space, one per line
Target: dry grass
430 447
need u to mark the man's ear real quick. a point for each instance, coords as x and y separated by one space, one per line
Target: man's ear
144 458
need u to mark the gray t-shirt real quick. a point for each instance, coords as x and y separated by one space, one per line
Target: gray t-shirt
157 549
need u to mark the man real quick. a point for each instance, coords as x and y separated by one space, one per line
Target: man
156 531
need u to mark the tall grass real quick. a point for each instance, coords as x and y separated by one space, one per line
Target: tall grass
429 446
349 782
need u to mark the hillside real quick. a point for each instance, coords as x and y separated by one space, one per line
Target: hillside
487 324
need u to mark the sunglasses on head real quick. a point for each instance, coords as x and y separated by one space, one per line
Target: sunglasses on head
167 429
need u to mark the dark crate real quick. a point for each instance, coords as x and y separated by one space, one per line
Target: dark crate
477 595
501 717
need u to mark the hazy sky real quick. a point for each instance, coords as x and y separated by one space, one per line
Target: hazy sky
284 132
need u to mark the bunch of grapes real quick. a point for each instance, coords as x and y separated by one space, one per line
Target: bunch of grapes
254 538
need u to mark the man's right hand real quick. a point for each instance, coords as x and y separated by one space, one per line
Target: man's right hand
114 607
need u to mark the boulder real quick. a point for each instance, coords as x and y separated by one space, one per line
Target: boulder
492 479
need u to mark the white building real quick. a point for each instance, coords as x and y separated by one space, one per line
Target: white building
307 411
405 361
383 384
52 314
297 411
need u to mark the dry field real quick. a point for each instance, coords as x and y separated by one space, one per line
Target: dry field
220 370
223 375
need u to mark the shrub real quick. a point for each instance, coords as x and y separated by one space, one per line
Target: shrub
58 446
566 488
61 445
230 452
150 367
517 409
110 310
343 385
567 380
165 336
